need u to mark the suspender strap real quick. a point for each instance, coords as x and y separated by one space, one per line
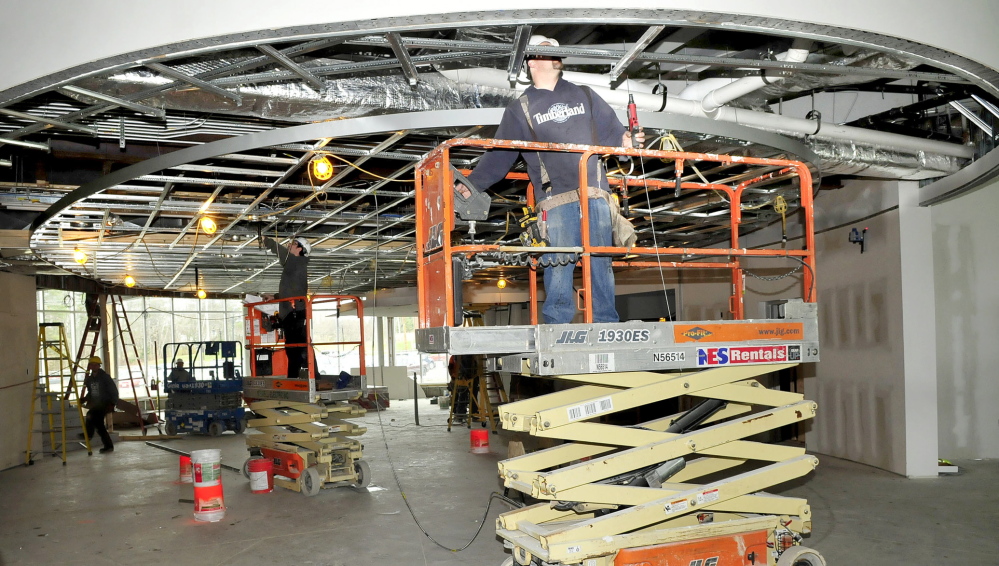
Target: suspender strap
546 182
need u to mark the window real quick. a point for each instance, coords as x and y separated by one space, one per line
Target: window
155 321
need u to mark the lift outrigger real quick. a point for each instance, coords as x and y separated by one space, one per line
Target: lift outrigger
686 489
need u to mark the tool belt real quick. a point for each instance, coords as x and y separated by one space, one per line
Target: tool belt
624 232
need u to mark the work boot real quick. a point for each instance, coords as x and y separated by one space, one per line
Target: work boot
106 449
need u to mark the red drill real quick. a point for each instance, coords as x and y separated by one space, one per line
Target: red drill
632 119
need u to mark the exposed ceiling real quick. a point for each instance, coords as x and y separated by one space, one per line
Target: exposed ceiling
122 160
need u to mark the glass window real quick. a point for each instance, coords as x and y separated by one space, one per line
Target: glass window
57 300
187 304
186 327
161 304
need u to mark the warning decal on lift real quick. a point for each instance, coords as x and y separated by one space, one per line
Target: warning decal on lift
676 506
707 496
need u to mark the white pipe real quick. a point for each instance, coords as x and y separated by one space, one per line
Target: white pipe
497 78
721 96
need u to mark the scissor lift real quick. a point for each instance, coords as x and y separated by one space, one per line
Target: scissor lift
299 422
686 489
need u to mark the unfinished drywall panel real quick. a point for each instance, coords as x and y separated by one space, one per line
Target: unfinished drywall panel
18 318
860 382
965 237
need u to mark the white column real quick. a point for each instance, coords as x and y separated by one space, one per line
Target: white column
918 333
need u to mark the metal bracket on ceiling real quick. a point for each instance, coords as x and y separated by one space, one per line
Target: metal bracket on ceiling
408 68
520 40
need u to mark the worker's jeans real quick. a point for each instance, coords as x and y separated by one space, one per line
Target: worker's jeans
564 231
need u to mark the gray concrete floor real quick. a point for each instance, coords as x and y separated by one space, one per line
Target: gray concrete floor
123 508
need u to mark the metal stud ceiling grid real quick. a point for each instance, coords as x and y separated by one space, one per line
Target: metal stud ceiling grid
361 222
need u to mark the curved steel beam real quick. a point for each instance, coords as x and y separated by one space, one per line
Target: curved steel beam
393 122
982 75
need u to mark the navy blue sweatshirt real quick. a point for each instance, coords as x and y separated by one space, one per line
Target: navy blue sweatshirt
562 115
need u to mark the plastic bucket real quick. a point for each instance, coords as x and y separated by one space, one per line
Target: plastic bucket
261 475
186 473
209 503
480 441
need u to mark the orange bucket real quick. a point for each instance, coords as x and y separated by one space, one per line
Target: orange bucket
480 441
261 475
186 475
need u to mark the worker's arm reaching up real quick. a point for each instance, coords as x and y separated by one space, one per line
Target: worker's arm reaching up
278 249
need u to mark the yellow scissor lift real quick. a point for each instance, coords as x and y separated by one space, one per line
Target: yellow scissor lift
686 489
298 422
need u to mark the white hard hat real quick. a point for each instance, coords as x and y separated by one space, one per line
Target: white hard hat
305 244
539 39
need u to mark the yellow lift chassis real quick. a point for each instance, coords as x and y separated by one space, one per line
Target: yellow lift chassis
683 490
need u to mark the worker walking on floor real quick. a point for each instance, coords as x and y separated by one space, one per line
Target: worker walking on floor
294 283
100 397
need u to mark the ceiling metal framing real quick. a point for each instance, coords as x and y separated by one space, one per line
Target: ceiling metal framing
247 167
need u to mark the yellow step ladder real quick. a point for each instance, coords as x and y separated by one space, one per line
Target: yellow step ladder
53 394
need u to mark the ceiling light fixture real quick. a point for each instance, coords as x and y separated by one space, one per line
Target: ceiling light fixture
501 283
79 256
208 226
322 168
200 293
129 281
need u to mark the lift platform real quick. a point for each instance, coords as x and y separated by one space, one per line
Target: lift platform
685 489
298 421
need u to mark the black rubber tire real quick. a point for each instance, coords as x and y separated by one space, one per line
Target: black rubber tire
801 556
240 427
170 428
246 465
311 481
363 473
216 428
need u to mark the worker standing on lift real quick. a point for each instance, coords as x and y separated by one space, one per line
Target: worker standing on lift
294 283
555 110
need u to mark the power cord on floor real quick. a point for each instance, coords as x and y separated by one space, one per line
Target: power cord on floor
388 455
412 513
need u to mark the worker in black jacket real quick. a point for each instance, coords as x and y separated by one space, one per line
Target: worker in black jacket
555 110
100 397
294 283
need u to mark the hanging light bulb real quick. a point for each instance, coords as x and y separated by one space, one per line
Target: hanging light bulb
79 256
199 293
322 168
501 283
129 281
208 226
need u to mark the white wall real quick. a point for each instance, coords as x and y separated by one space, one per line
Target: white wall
966 256
17 363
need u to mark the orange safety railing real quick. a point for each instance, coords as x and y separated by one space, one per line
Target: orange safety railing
435 223
256 335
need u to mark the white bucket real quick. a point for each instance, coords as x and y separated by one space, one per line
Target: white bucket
209 503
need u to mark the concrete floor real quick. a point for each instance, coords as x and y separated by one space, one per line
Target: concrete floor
123 508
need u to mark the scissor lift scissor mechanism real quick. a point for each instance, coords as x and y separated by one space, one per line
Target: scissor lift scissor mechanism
687 489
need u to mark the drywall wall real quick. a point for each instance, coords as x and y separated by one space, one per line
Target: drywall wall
17 363
965 240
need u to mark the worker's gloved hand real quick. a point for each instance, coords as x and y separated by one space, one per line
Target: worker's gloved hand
639 139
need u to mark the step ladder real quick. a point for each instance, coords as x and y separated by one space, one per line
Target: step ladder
54 393
130 353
